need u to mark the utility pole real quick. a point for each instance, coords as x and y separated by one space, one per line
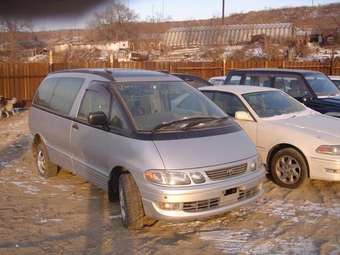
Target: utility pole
223 11
163 9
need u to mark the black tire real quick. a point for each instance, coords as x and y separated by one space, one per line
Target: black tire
48 169
289 168
130 203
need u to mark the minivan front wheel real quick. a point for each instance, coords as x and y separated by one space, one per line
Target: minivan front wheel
130 201
45 167
289 168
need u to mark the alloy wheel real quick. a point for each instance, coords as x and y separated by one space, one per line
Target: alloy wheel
288 169
122 203
41 162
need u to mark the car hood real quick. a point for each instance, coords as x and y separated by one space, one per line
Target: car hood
205 151
320 126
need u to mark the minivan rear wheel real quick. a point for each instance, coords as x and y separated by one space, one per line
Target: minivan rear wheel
289 168
45 167
130 201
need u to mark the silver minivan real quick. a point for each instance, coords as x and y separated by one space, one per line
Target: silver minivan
154 143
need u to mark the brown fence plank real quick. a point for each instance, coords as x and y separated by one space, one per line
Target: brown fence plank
21 80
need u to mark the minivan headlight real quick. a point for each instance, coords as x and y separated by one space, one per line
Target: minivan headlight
167 178
255 163
329 149
252 165
174 178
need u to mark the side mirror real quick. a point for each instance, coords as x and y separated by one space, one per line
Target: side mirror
243 116
97 119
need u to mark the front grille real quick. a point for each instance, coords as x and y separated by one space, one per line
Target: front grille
200 206
224 173
246 194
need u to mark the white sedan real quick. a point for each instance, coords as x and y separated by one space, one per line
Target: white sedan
217 80
294 141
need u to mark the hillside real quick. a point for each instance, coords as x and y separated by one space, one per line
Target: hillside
322 17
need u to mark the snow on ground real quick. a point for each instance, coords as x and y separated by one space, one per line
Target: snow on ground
67 215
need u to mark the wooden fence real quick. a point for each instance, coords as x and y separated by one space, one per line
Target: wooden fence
21 80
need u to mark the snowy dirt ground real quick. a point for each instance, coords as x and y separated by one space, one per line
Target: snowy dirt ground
67 215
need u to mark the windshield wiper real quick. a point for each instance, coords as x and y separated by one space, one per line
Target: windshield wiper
204 121
192 122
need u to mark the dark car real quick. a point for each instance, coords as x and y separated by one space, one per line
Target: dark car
314 89
193 80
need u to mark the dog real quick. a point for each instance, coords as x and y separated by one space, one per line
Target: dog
7 106
2 105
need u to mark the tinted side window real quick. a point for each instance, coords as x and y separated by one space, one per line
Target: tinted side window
64 94
337 83
209 94
260 80
45 92
98 98
229 103
292 85
235 79
58 94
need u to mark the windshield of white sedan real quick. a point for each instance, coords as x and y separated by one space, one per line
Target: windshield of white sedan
321 85
272 103
157 106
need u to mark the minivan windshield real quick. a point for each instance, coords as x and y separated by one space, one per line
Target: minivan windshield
321 85
272 103
169 105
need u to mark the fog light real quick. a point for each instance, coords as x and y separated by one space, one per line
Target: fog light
169 206
197 178
333 171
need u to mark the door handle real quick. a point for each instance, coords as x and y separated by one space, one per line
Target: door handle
75 126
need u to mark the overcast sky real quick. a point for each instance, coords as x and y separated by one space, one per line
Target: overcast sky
178 10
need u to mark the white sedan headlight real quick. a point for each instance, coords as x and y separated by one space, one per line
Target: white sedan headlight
329 149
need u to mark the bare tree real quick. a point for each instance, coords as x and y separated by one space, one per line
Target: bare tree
10 29
114 23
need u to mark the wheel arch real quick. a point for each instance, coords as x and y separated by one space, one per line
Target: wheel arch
282 146
113 182
36 140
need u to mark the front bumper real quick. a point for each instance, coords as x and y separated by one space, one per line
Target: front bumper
204 200
325 169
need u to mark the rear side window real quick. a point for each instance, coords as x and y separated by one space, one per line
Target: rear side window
337 83
292 85
58 94
260 80
209 94
234 80
229 103
64 94
45 92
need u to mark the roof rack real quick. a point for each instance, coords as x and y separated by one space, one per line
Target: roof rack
106 73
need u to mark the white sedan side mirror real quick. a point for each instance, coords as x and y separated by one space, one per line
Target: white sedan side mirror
243 116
